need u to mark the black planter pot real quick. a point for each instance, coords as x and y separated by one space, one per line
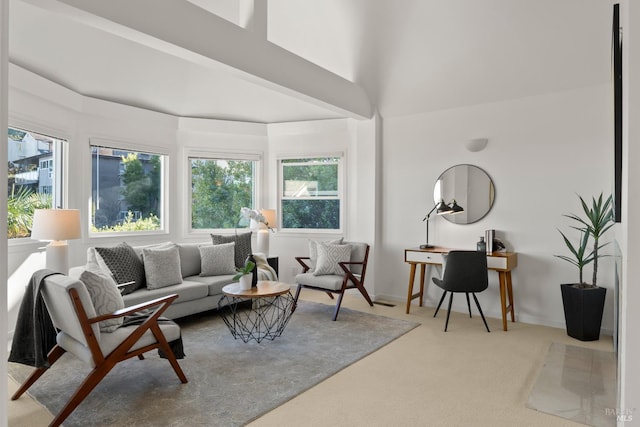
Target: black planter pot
583 309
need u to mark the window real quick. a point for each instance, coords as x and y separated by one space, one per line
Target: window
311 194
219 189
35 163
126 190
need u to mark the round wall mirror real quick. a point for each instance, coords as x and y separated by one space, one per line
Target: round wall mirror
470 187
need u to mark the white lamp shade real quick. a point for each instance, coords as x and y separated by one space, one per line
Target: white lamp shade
270 217
56 224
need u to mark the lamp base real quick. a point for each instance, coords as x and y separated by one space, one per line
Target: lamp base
427 246
58 256
263 242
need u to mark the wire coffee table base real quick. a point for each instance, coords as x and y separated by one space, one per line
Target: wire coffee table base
265 319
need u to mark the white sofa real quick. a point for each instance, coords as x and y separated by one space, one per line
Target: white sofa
196 293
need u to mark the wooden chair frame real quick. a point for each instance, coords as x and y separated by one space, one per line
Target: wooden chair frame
350 281
103 363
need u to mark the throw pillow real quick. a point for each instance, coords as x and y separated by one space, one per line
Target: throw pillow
243 245
328 258
105 296
217 259
124 265
313 251
162 267
189 258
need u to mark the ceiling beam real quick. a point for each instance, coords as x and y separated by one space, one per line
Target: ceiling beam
183 29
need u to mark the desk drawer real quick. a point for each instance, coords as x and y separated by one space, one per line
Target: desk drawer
497 262
424 257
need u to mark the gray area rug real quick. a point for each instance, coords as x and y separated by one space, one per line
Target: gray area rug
578 384
230 382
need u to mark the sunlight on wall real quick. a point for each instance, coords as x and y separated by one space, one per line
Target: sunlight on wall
16 285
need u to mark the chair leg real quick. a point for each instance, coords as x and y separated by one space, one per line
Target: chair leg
295 298
52 357
337 307
468 304
444 294
364 293
446 325
480 310
162 341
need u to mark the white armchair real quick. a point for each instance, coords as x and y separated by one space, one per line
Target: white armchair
73 315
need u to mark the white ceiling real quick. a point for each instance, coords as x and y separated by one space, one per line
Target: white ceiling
410 56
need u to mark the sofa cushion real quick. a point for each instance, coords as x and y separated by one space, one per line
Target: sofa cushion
217 259
124 265
187 291
105 297
190 258
243 245
163 245
162 266
214 283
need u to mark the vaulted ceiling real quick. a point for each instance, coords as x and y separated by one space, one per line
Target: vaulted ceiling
408 56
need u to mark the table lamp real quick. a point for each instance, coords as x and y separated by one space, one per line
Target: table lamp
56 226
263 231
441 208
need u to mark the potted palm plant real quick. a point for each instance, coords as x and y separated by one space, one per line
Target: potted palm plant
584 302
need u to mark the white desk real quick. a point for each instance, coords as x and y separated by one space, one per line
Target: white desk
502 262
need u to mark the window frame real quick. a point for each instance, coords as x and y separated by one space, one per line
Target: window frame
165 161
60 159
342 191
256 157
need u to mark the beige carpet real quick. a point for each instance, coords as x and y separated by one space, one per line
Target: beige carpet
465 377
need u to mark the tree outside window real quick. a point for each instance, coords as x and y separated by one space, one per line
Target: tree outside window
219 189
310 193
126 190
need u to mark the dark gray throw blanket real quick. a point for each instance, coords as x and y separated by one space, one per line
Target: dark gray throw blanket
34 335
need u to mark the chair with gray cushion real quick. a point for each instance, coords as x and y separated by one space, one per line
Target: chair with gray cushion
73 314
465 271
338 267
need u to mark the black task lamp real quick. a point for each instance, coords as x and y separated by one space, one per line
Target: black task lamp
441 208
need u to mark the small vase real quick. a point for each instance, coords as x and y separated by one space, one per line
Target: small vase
245 281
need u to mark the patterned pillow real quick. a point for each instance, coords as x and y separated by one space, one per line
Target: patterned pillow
313 251
217 259
125 266
328 258
162 266
105 296
243 245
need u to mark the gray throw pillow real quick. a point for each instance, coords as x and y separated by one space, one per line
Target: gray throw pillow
217 260
328 258
313 251
243 245
105 296
125 266
189 258
162 267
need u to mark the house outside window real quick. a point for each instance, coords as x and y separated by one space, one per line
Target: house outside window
126 190
34 178
311 193
220 187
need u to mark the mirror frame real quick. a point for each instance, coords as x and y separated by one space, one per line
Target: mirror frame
463 199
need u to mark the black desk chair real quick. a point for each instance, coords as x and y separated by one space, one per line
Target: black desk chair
465 271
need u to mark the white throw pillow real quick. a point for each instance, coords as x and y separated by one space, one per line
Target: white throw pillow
162 266
105 296
313 251
218 260
328 258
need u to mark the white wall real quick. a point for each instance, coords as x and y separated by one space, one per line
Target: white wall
541 152
629 354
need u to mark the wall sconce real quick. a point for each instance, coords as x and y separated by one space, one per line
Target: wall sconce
56 226
476 144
